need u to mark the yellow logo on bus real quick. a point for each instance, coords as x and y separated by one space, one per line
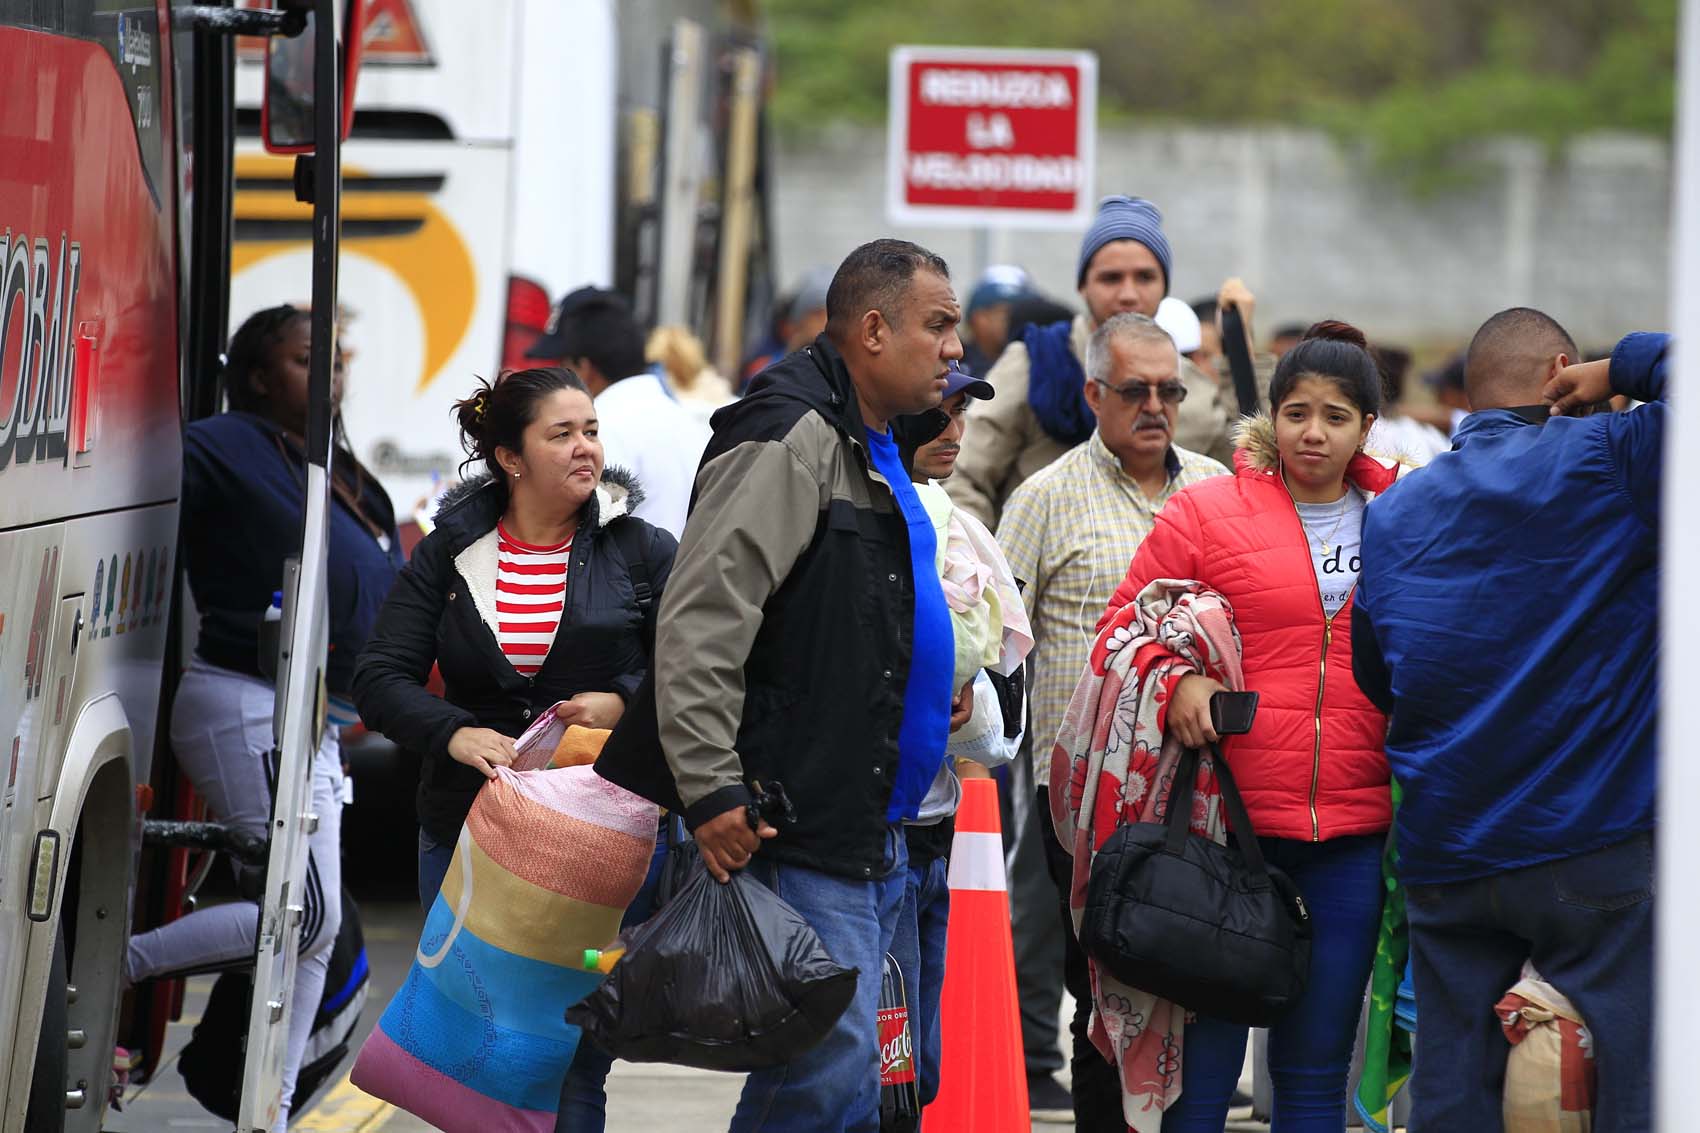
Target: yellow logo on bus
404 231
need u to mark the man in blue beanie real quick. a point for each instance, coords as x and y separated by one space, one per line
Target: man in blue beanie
1040 411
1135 219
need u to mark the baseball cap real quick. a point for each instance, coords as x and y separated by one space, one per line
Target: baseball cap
1179 319
1000 283
553 344
811 292
961 380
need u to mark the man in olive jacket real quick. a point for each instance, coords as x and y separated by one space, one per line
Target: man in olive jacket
803 640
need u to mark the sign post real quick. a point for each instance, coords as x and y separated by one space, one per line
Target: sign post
981 138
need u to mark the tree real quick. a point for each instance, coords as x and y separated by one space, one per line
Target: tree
1413 79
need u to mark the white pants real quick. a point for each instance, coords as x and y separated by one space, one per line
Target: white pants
221 731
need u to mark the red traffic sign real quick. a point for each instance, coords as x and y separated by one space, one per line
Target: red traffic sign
981 137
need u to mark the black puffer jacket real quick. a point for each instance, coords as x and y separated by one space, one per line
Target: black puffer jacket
432 617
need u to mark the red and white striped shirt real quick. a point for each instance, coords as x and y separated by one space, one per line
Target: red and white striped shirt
531 590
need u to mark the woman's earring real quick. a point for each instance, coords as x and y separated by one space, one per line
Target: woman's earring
516 475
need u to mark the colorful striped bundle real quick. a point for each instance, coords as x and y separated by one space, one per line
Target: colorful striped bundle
475 1040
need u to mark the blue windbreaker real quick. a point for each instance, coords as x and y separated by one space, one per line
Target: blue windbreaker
1507 619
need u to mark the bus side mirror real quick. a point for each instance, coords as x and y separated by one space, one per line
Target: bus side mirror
286 111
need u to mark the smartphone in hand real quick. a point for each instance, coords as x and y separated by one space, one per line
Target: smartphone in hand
1231 713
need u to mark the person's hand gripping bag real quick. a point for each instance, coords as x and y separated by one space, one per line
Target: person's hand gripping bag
724 977
475 1040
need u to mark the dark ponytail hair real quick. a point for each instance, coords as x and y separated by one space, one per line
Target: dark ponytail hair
250 350
496 415
1336 352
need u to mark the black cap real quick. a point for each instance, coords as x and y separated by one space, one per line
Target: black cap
553 344
960 380
912 430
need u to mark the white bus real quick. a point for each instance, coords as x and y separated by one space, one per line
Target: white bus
504 153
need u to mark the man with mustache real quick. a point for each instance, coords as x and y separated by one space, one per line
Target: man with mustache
1068 532
1041 412
936 458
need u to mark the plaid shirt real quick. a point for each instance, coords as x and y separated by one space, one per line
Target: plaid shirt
1069 533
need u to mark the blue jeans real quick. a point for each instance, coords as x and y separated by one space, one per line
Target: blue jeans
834 1086
1586 922
918 948
584 1100
434 859
1310 1050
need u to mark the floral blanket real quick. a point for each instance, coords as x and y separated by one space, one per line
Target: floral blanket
1111 765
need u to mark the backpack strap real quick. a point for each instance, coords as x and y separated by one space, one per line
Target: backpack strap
629 536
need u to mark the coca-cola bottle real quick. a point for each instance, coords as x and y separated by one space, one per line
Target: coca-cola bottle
900 1094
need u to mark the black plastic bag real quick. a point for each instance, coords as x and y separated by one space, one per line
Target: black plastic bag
724 977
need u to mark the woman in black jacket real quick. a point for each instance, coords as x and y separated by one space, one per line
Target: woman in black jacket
547 537
536 587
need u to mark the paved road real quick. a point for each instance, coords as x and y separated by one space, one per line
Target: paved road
643 1098
378 869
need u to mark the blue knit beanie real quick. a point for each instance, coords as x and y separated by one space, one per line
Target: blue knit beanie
1125 218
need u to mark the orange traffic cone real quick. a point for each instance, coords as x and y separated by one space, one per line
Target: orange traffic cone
982 1075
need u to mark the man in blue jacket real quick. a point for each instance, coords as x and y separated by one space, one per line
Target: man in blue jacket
1507 620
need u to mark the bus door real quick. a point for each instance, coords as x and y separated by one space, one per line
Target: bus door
304 112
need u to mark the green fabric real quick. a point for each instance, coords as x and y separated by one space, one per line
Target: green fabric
1387 1047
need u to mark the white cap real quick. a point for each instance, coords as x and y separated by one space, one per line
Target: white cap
1176 317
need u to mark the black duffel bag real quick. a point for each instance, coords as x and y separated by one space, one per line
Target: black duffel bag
1211 927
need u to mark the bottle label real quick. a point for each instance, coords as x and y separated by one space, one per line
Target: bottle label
897 1056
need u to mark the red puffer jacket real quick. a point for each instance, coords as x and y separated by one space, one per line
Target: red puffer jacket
1313 765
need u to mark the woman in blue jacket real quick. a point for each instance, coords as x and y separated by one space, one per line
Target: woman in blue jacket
244 487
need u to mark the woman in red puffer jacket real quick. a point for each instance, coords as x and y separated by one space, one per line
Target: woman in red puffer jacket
1279 540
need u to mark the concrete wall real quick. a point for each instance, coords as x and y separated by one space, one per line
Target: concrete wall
1313 228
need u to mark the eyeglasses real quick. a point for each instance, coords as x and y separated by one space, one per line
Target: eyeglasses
1134 394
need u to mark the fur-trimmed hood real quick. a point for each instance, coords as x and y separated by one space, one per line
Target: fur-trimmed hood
1256 454
472 510
442 611
477 503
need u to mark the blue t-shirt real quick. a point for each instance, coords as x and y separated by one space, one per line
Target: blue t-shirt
927 696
